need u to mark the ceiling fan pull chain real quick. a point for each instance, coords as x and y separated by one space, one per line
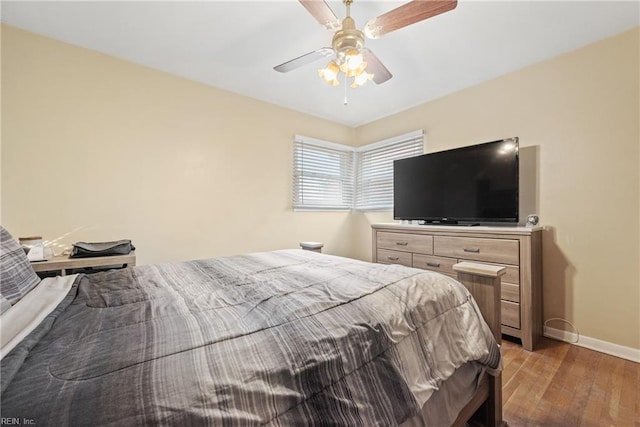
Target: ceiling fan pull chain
346 100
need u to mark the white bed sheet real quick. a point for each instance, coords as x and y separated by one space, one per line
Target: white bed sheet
23 317
443 406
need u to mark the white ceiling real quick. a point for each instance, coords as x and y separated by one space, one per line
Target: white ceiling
234 45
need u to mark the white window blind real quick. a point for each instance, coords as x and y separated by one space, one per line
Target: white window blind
322 175
374 165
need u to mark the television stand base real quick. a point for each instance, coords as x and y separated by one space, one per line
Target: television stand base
455 223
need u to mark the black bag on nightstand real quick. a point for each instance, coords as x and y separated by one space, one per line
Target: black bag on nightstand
85 250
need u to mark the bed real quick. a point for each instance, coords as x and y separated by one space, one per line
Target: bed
287 337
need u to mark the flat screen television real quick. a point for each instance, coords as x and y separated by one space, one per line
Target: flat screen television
466 186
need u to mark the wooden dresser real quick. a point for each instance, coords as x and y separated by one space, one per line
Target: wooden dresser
438 248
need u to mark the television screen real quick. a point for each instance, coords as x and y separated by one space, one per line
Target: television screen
470 184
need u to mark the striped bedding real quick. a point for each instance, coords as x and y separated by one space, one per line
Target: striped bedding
276 338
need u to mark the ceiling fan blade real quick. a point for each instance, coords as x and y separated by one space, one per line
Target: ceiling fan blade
407 14
320 10
305 59
376 67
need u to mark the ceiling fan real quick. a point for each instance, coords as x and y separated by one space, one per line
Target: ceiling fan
350 56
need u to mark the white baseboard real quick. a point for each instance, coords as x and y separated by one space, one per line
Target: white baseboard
628 353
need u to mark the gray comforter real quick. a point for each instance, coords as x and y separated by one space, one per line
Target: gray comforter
278 338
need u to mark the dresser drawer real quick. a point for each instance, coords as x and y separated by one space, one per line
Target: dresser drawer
434 263
510 314
510 292
394 257
405 242
501 251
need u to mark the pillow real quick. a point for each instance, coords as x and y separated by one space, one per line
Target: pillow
16 274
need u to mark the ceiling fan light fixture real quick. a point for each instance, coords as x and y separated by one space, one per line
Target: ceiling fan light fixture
351 63
353 59
352 72
330 73
361 78
348 44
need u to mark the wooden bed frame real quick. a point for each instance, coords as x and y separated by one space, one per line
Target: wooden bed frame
483 281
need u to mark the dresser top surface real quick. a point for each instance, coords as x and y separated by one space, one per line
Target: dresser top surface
458 228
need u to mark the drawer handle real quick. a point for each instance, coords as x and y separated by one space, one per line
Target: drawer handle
402 243
474 250
393 258
433 264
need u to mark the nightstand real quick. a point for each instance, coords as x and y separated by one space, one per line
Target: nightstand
64 264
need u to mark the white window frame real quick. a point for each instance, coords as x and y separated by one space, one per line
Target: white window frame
374 169
349 186
307 184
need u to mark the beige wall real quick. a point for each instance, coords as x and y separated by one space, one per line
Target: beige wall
95 148
577 117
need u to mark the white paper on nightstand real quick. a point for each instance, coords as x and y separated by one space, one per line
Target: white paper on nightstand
36 253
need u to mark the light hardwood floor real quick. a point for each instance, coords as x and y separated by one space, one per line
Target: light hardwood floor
563 385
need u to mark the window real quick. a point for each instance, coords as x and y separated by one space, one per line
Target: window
374 178
322 175
324 178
